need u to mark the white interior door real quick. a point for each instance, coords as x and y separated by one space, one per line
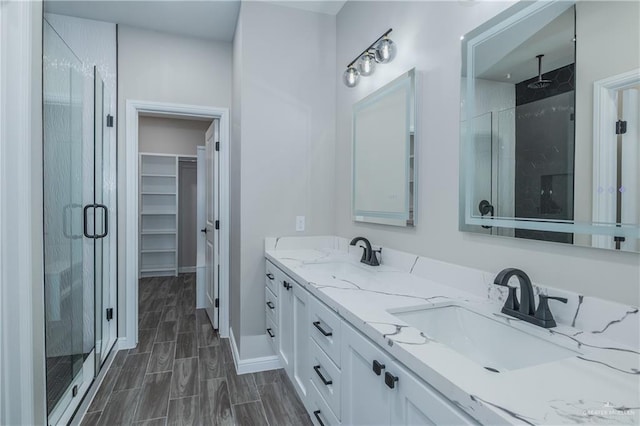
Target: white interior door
212 252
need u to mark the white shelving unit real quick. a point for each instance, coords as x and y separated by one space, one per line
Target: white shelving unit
158 226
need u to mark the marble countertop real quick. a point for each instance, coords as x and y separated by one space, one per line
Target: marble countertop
600 384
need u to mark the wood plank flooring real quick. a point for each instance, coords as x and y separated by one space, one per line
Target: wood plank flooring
182 372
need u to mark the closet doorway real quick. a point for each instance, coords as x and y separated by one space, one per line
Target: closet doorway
134 111
179 204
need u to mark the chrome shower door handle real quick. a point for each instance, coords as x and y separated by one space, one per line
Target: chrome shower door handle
105 231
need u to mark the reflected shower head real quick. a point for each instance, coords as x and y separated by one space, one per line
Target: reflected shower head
540 83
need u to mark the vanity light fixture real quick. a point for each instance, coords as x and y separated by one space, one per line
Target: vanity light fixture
381 51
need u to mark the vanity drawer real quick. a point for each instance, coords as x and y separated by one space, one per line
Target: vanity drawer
272 333
271 304
324 328
270 277
326 376
319 411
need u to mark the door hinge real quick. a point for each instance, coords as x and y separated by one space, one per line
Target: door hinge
217 224
217 303
109 314
109 120
621 127
217 146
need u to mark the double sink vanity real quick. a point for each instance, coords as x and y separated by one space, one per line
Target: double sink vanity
377 336
417 341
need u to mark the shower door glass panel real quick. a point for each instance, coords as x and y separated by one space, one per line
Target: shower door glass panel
63 221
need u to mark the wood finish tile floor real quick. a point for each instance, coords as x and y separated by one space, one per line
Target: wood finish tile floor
182 372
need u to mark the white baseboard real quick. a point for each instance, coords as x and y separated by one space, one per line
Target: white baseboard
186 269
126 343
252 365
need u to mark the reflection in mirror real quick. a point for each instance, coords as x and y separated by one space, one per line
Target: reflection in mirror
540 157
383 154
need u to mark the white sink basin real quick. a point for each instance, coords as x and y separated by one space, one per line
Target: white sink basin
336 268
488 342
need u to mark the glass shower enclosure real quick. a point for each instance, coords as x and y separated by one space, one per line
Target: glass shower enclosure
77 183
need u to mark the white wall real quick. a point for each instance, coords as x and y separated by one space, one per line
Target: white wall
235 187
285 73
162 135
428 37
188 231
22 361
164 68
599 25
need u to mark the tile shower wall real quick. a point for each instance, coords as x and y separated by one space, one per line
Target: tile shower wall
544 166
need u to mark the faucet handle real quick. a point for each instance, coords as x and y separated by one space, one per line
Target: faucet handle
374 258
512 299
543 313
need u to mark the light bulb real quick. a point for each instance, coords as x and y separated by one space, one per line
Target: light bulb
366 64
385 51
351 77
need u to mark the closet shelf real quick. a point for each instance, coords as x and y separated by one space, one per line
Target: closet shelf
157 193
158 269
159 212
143 251
158 231
157 175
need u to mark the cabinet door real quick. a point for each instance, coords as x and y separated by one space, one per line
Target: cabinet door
416 403
300 340
365 398
285 321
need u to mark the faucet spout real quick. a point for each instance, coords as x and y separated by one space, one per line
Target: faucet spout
368 255
527 303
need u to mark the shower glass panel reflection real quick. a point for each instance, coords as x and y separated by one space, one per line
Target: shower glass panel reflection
64 283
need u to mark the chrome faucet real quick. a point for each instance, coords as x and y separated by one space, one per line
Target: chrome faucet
526 308
368 254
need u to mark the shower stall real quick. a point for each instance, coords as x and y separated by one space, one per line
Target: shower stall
79 218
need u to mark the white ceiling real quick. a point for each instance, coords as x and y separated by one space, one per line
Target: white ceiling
212 20
554 41
206 19
329 7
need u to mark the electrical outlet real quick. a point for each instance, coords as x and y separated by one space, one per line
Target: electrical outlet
299 223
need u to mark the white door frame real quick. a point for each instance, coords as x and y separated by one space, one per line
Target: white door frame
200 261
133 109
605 114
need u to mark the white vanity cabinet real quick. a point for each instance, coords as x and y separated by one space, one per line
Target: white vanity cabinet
300 339
379 391
285 321
366 399
341 376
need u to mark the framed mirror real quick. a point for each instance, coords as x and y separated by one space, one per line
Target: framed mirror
384 141
550 110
